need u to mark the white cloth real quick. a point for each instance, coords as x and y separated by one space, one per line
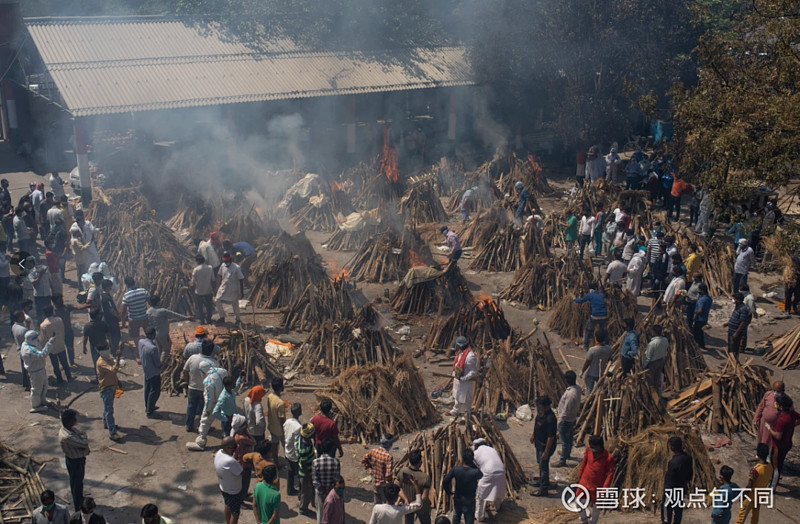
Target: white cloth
206 249
388 514
203 279
291 432
492 485
56 186
88 232
229 288
586 226
705 214
53 213
254 413
744 258
635 271
198 372
612 166
616 271
569 406
464 387
229 473
675 285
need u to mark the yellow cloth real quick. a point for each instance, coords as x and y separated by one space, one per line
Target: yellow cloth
760 477
107 374
276 413
692 263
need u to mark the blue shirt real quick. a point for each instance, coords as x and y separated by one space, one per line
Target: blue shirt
630 345
597 301
702 308
244 248
740 231
523 199
722 504
740 314
151 360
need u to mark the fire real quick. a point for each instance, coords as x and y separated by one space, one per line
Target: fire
341 275
535 165
389 158
486 302
415 259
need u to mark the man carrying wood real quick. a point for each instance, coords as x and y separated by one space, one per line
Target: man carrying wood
465 373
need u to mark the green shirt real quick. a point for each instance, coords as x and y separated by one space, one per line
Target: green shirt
267 499
571 233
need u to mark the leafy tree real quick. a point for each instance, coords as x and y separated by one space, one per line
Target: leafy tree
739 125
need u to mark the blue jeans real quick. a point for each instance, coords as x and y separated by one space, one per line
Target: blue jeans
194 407
590 326
544 469
566 431
463 507
108 409
94 350
152 390
598 242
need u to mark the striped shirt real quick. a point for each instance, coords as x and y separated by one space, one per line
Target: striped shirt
740 315
654 245
136 302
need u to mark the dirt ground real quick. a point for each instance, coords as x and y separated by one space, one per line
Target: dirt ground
151 463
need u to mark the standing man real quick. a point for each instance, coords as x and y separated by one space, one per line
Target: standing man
202 284
110 314
585 231
305 459
569 407
325 428
404 476
75 445
522 201
466 476
544 440
194 347
324 471
596 471
570 229
388 512
291 435
737 326
675 288
194 373
700 317
56 186
704 217
151 367
744 259
42 292
158 318
759 478
599 226
134 308
598 315
465 373
452 243
231 288
88 230
492 485
612 165
108 383
767 412
210 249
52 329
25 240
597 358
782 433
692 296
33 357
634 272
18 330
679 187
379 461
212 389
41 215
96 334
333 507
229 474
615 272
64 312
654 358
276 416
676 482
630 346
267 497
468 203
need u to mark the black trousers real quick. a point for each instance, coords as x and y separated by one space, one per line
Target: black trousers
77 470
152 390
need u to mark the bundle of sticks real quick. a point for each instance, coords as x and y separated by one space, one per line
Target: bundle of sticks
684 362
568 318
619 405
387 256
418 295
316 215
785 351
370 400
534 243
484 194
194 216
145 249
422 205
442 450
546 280
320 301
481 321
526 170
240 351
640 460
552 233
448 175
333 347
500 247
517 372
724 401
482 226
351 240
247 225
379 188
717 269
20 485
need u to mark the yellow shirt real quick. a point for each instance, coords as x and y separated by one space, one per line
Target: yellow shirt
107 374
692 264
277 412
761 475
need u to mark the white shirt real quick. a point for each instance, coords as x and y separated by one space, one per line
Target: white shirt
744 257
291 432
488 460
197 373
206 249
56 186
677 284
229 473
203 279
616 271
53 213
387 514
229 287
636 265
587 226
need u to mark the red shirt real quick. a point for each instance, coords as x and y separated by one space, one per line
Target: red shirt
52 261
324 428
678 187
596 471
785 426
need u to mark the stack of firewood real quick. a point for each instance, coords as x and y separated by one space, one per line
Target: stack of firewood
320 301
316 215
448 291
422 205
544 281
370 400
499 244
352 239
20 485
248 226
333 347
785 349
481 321
717 268
442 450
386 257
724 401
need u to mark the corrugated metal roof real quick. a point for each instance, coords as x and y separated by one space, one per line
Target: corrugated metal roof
104 66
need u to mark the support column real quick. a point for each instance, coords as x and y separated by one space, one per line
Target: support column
82 152
351 124
11 115
451 119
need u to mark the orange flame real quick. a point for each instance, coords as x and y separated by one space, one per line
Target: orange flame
415 259
389 158
341 275
535 165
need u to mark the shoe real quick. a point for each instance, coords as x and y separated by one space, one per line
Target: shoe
190 430
115 436
540 493
105 426
535 483
561 464
38 409
219 321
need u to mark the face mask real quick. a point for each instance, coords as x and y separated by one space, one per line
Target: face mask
339 491
228 264
50 507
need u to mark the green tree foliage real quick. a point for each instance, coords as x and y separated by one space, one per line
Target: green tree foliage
739 125
592 66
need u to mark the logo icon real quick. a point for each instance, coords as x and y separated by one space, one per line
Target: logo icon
575 498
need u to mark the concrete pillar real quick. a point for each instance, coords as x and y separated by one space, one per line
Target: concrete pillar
351 124
11 114
451 119
82 152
